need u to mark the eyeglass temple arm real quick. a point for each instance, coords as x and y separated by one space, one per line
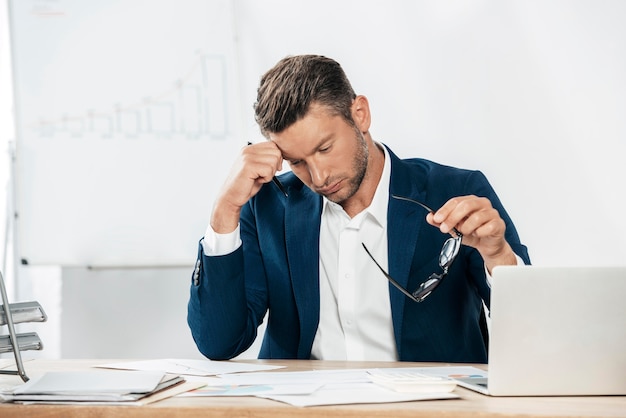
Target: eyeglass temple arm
395 196
391 279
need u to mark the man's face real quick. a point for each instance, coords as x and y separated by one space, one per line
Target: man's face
326 153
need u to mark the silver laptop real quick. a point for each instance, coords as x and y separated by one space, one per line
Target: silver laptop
556 331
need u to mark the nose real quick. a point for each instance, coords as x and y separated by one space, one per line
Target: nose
317 173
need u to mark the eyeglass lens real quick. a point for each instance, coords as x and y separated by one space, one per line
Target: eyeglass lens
449 251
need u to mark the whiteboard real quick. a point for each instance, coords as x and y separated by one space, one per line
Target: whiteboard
126 116
532 93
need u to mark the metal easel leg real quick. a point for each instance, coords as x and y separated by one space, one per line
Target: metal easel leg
9 319
5 299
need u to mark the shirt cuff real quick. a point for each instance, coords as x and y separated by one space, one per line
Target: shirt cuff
215 244
520 262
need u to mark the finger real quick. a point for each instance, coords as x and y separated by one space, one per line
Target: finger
494 228
456 210
261 161
268 151
484 222
488 239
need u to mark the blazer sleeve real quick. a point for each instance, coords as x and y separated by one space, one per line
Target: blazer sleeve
479 185
483 188
226 303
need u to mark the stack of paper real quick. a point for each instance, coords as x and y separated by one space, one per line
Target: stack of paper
314 388
108 387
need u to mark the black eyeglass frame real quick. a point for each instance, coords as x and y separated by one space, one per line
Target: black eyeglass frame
449 251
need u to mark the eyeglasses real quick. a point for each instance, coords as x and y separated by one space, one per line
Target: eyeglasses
448 253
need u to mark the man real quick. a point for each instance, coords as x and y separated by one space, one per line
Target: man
300 257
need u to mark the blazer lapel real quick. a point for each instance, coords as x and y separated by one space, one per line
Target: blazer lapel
405 220
302 226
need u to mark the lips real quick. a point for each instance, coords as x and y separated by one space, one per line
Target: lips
333 188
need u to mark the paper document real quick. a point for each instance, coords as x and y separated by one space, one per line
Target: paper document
355 393
451 372
255 390
318 387
92 386
312 377
190 367
90 382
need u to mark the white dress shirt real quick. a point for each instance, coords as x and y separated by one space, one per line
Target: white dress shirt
355 313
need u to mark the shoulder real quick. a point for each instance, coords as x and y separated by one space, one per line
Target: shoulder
430 170
435 171
421 177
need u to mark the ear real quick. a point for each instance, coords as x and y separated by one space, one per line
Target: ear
361 113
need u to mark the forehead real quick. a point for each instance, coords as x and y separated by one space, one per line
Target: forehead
308 133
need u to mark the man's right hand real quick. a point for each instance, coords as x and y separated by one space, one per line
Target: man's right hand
257 164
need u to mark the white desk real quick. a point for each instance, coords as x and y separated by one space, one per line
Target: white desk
471 404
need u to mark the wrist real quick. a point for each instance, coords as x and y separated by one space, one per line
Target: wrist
225 217
504 257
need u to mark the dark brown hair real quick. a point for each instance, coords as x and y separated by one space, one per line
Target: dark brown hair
287 91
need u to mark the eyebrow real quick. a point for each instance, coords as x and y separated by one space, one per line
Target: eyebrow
315 148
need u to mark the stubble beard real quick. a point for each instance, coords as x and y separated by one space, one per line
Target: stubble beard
359 166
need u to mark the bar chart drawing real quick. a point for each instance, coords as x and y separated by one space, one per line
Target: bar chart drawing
194 107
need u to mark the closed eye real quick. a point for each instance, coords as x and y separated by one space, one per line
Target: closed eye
326 147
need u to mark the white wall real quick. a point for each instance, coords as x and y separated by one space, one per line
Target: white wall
531 92
135 313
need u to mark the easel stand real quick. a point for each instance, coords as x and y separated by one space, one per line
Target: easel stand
10 314
28 312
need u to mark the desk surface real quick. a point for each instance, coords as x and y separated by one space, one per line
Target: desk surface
470 405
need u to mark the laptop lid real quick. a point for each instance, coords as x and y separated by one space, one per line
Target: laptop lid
557 331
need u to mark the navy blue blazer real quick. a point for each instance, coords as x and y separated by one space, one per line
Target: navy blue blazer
277 269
